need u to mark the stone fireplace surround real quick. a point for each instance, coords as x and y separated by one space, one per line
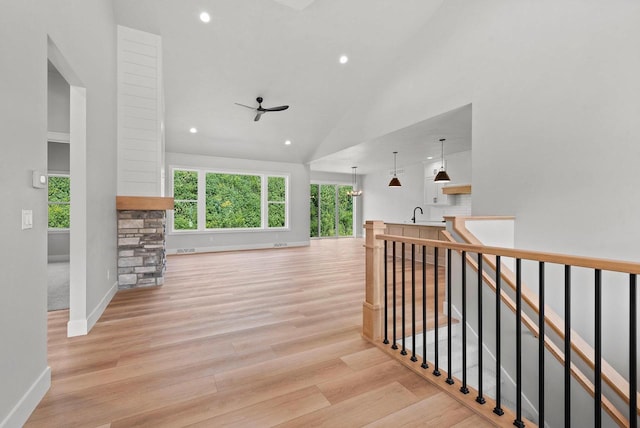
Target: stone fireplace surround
141 240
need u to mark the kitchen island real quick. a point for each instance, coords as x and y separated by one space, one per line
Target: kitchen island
421 229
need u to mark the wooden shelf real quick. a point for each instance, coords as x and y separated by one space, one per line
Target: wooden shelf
464 189
144 203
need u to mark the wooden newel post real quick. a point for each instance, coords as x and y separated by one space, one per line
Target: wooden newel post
372 307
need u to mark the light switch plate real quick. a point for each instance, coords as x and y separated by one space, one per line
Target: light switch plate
27 219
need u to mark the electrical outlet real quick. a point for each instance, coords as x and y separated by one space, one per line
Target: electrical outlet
108 274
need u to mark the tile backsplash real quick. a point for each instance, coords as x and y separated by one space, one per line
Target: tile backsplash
460 205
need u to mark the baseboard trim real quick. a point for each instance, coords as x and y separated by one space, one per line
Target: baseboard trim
95 315
29 401
77 328
193 250
83 327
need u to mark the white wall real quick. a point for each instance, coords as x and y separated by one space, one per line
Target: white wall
89 46
298 233
556 101
57 103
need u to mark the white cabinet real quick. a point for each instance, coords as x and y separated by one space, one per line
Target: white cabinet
433 193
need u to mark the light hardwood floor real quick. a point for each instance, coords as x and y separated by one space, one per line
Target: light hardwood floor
248 339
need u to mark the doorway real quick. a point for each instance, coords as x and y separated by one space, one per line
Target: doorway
77 137
58 190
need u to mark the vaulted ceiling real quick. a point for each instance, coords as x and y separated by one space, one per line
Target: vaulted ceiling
286 51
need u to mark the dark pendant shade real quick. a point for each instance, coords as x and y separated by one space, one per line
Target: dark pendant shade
442 177
394 181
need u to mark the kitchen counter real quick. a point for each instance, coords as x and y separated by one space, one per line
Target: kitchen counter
431 223
420 229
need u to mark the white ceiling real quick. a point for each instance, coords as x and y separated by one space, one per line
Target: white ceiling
287 52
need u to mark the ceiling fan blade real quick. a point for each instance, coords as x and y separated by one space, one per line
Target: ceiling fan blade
243 105
279 108
257 118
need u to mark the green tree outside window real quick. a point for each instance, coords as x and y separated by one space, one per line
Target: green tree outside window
185 195
59 202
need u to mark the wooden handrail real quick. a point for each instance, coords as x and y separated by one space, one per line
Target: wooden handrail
562 259
582 349
580 377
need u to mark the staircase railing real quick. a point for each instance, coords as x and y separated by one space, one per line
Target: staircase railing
382 291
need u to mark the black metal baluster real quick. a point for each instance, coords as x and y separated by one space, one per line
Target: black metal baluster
498 409
597 396
413 303
436 371
633 353
404 335
424 308
464 388
541 343
567 346
518 422
449 379
480 399
386 297
395 339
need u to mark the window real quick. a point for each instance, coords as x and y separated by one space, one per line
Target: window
222 200
233 201
331 210
59 201
276 198
185 194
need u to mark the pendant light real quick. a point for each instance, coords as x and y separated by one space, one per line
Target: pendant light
394 181
442 176
354 186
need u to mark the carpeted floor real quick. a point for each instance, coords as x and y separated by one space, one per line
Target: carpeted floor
58 286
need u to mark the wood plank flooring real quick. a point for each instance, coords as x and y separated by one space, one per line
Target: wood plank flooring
250 339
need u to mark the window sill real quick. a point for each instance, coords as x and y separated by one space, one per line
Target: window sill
217 231
60 231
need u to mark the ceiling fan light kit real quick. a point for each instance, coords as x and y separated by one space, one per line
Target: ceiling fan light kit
394 181
262 110
442 176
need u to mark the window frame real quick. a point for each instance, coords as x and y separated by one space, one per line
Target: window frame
355 202
201 202
49 203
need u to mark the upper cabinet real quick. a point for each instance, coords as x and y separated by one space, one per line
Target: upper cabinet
433 194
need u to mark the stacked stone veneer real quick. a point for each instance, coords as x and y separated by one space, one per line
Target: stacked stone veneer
141 248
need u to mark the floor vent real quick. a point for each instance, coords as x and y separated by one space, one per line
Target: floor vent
186 250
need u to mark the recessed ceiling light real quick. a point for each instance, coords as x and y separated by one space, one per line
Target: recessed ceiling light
204 17
344 59
193 130
287 143
429 157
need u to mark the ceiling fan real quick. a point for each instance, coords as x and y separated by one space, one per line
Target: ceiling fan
261 110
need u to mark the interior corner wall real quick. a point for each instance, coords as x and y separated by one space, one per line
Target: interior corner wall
57 103
93 59
556 101
298 233
89 45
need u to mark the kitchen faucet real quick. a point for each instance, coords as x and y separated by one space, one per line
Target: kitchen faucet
413 219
